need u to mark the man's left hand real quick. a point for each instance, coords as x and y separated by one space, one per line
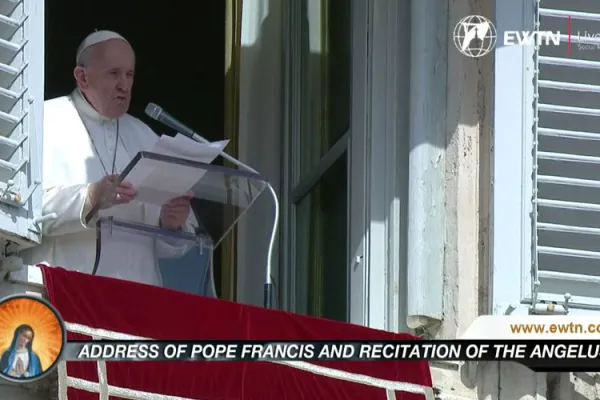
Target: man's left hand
174 214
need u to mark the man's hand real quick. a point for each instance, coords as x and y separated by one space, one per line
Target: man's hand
123 194
175 213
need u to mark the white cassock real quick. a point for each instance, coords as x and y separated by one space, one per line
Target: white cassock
79 149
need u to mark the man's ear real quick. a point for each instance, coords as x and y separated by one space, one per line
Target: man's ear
80 77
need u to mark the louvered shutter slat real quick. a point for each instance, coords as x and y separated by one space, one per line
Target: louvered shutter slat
568 62
21 112
567 155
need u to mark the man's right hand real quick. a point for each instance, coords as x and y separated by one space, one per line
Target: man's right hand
122 195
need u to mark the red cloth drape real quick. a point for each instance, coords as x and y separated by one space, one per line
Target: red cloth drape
148 311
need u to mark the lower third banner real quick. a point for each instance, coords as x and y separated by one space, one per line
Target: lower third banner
564 355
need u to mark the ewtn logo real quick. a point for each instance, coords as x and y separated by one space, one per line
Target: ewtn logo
475 36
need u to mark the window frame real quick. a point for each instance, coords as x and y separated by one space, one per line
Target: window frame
378 191
512 182
293 188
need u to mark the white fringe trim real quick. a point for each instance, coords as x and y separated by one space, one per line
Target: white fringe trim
102 377
106 390
62 380
123 393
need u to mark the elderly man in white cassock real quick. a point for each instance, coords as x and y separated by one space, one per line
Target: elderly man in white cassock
88 140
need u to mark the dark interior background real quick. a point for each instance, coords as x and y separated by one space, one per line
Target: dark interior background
180 52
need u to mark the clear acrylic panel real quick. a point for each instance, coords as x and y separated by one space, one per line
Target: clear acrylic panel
140 253
216 191
131 244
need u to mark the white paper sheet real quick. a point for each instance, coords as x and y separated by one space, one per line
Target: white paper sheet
183 147
156 182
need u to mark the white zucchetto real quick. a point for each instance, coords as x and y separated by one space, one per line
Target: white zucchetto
95 38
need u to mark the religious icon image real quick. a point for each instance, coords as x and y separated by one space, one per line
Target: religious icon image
32 337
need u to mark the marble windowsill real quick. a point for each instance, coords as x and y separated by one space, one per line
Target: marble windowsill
30 274
28 280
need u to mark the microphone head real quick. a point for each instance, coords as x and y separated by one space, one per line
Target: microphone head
153 111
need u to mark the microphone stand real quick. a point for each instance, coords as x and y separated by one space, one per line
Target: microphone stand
268 288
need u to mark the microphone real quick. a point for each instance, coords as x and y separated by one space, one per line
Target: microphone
156 112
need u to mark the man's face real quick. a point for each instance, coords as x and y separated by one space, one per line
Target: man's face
107 79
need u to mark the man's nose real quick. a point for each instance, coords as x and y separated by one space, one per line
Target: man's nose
124 83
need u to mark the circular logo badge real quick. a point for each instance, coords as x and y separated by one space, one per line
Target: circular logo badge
32 338
475 36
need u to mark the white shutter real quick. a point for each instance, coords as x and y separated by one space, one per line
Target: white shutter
567 153
21 114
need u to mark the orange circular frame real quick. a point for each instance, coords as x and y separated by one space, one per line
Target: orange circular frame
48 333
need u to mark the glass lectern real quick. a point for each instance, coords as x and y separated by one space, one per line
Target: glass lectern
132 245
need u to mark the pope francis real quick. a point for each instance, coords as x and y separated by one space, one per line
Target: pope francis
88 140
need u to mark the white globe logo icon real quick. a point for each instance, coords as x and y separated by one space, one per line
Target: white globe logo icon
475 36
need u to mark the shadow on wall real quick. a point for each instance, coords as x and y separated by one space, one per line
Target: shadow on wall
260 127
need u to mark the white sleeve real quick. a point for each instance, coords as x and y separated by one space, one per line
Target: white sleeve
70 206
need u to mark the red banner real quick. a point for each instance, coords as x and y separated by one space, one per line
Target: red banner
156 313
